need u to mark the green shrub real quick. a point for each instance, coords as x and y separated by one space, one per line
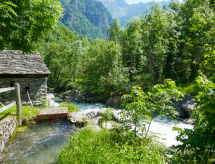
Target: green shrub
110 146
191 89
107 115
71 108
198 144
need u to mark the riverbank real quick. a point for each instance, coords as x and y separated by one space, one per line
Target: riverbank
160 126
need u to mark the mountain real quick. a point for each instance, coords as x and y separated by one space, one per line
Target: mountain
89 18
124 12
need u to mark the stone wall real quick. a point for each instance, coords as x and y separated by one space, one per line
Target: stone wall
7 127
37 89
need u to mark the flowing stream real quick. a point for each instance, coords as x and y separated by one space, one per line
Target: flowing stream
162 126
41 143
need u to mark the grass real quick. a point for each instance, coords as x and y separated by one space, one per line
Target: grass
71 108
110 146
26 112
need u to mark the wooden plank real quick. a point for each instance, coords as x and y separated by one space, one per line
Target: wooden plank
6 89
18 103
7 107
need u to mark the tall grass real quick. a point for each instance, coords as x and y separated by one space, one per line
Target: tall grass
110 146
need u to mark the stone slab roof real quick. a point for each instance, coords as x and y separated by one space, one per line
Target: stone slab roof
17 63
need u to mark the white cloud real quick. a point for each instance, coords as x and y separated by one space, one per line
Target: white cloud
144 1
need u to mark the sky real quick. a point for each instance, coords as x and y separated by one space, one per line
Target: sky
144 1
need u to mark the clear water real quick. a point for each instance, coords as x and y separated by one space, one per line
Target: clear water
40 144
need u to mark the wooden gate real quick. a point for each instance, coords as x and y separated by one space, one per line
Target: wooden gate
17 102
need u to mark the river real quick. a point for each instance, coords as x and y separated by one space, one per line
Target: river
41 143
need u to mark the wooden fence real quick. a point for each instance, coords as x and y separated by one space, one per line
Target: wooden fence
17 102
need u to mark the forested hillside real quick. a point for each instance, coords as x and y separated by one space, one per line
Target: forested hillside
124 12
164 44
88 18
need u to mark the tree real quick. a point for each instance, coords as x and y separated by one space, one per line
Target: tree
155 42
198 144
139 106
29 21
104 70
114 31
63 53
208 65
132 53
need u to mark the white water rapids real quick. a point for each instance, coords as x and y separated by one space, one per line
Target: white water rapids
161 126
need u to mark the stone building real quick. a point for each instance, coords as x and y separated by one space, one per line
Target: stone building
29 70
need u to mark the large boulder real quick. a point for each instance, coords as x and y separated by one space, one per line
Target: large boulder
178 111
77 118
184 108
92 113
187 105
96 98
117 116
114 102
82 117
74 96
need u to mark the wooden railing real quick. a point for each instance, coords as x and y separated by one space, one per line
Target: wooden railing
17 102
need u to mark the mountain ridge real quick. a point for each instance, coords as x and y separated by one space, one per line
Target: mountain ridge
89 18
124 12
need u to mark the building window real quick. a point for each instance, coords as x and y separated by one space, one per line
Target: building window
27 88
12 84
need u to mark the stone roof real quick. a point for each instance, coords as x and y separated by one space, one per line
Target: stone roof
17 63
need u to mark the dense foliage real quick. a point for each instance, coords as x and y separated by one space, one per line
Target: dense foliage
26 22
166 43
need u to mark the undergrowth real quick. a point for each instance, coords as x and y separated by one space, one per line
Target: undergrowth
110 146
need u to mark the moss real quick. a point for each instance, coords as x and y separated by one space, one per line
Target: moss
22 129
71 108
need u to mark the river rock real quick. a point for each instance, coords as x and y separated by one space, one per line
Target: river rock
184 108
114 102
92 113
117 116
187 105
74 96
178 111
77 118
96 98
189 121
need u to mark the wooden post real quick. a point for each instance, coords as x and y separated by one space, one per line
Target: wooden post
18 104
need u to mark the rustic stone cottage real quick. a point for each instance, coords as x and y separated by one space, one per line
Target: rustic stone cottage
29 70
